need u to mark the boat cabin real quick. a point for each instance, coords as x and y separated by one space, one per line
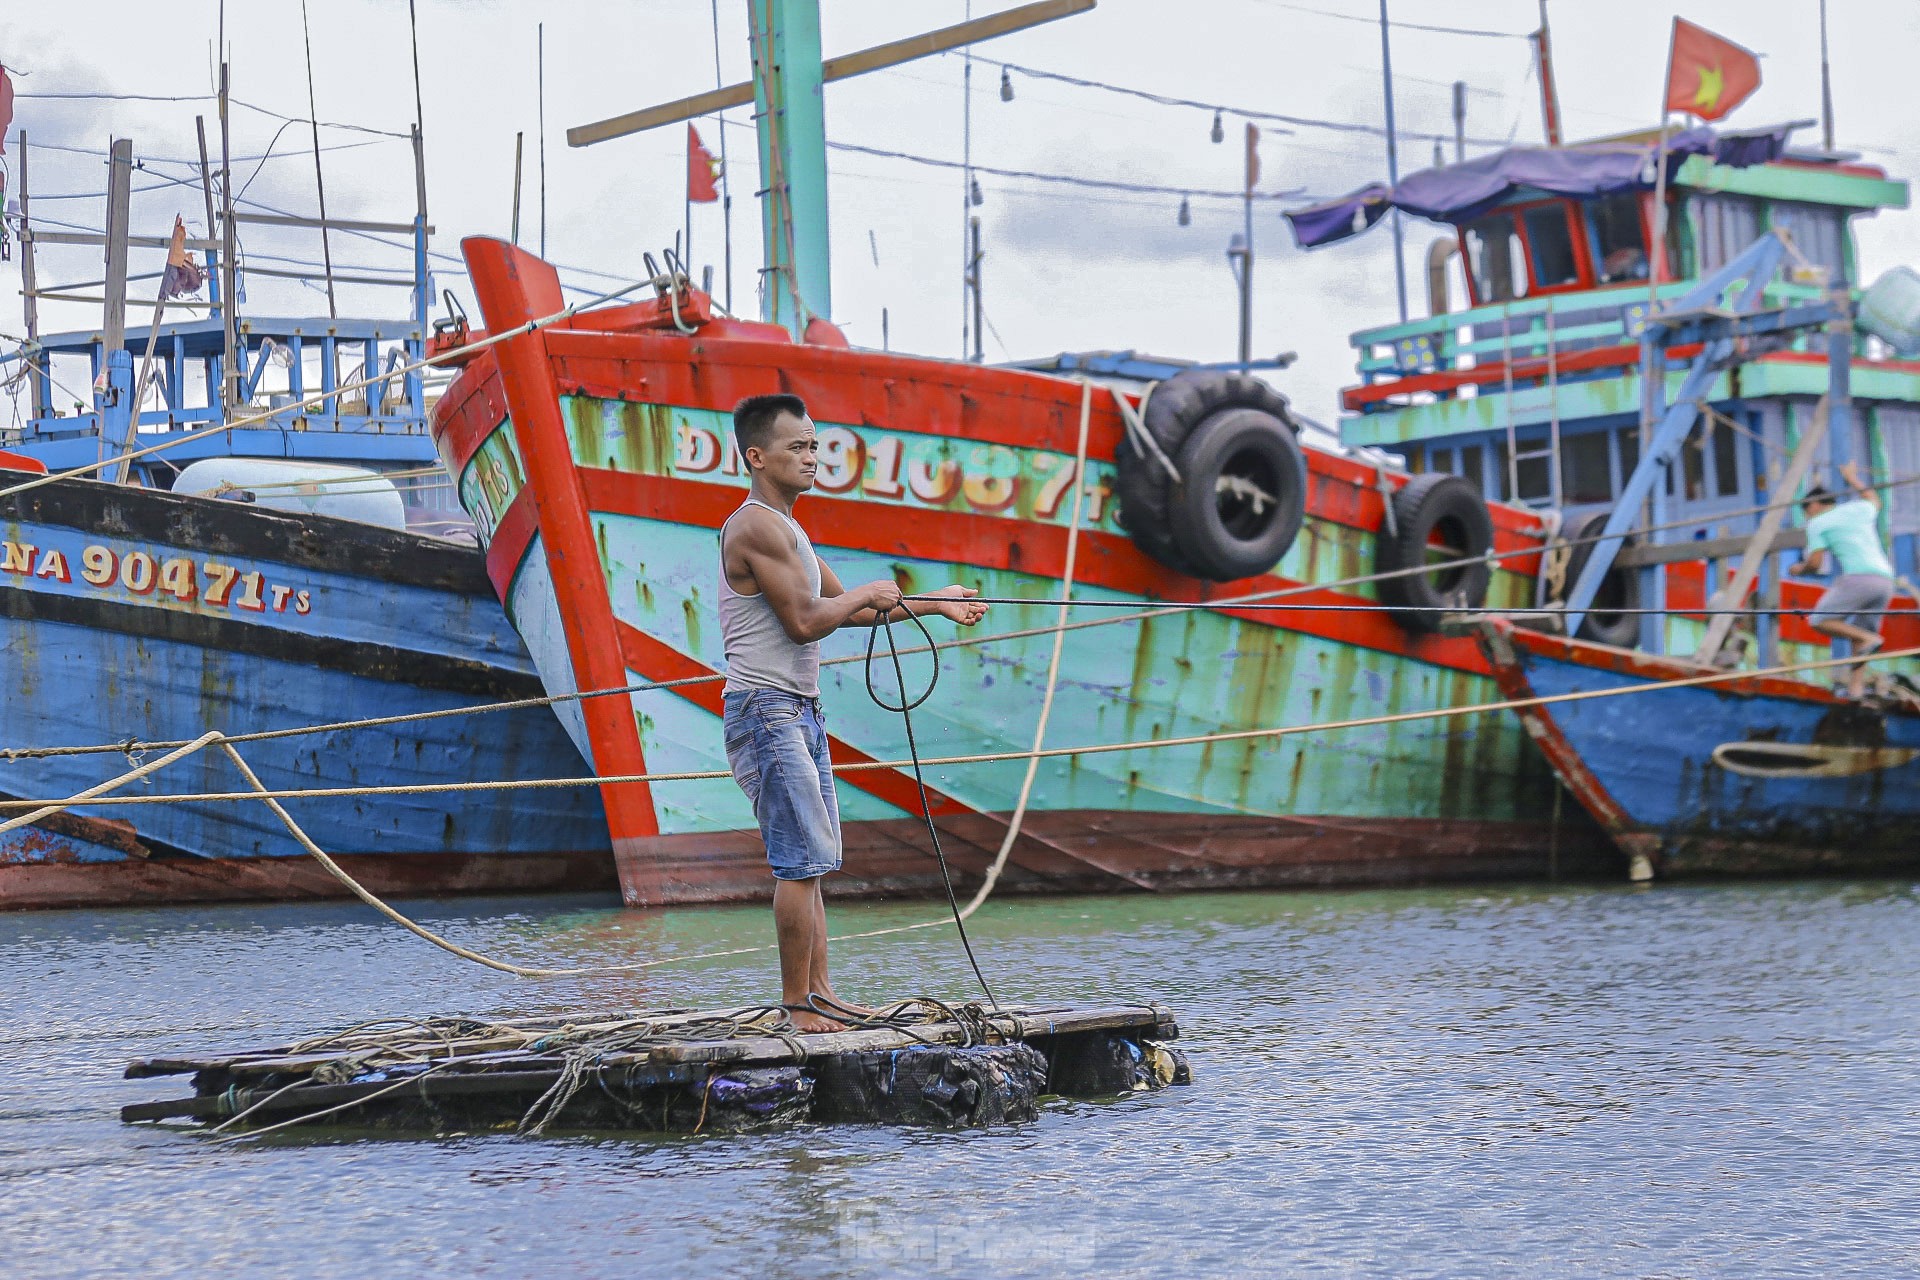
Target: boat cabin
1524 376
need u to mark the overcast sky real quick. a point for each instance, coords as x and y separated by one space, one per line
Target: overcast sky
1067 268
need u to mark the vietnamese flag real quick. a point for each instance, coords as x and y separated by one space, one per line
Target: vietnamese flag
702 169
1707 76
6 108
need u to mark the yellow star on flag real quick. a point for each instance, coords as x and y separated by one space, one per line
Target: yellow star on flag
1712 84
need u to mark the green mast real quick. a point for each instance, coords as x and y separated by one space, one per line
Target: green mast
793 161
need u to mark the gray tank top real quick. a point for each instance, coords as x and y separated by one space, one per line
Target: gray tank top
760 654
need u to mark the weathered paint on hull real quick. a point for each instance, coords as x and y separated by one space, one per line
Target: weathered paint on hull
1644 764
128 614
1121 851
598 466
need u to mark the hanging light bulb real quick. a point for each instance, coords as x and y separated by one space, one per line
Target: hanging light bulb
1219 129
1006 86
1186 213
975 195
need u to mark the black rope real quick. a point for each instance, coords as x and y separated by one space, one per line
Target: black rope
884 622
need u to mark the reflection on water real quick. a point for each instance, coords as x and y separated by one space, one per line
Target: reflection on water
1523 1082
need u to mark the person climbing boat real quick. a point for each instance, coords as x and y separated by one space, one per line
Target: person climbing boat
1663 349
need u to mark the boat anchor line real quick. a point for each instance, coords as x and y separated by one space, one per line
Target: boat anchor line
1259 601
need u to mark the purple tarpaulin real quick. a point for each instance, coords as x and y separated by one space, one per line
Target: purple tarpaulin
1461 192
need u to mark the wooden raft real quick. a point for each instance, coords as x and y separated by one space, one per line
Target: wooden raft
924 1062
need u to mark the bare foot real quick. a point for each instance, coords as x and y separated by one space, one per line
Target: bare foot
808 1023
835 1004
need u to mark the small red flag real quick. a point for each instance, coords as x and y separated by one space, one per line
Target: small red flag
702 169
6 108
1707 76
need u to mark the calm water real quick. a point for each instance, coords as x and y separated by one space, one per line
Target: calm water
1512 1082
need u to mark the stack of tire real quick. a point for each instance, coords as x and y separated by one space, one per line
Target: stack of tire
1241 491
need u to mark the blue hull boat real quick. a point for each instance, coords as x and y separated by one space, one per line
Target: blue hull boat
129 615
1756 775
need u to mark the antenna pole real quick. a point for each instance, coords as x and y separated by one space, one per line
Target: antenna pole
542 78
30 290
319 181
1549 92
1393 166
519 145
1826 85
1459 121
973 280
726 177
229 275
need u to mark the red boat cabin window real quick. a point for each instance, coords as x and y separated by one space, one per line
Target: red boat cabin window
1620 236
1537 248
1556 264
1496 259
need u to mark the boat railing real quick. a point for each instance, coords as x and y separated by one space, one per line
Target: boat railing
1490 343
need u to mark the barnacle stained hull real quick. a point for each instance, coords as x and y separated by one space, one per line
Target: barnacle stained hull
596 458
1755 776
129 614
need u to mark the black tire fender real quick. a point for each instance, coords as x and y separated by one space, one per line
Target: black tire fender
1619 589
1432 510
1242 494
1176 407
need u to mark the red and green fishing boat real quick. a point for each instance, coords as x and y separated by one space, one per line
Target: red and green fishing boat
596 457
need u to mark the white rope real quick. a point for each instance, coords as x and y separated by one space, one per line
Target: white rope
133 775
1053 662
987 757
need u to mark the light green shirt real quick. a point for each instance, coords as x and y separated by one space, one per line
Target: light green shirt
1851 532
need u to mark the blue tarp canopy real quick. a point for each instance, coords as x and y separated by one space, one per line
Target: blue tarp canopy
1462 192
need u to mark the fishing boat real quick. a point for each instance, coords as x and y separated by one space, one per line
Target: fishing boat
1664 400
597 460
302 568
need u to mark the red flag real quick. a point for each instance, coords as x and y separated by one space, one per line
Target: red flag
183 275
6 108
1707 76
702 169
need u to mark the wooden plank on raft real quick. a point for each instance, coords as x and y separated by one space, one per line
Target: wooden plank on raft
478 1055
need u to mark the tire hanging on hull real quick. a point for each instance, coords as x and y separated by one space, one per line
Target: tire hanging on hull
1437 517
1240 496
1619 589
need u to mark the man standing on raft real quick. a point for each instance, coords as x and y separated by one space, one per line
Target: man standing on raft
777 600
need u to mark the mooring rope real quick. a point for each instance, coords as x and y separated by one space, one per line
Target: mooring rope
1249 602
333 868
984 757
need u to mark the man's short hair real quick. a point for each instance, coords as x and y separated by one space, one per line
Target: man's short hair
753 418
1815 496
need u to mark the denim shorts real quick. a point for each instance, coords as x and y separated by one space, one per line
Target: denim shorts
777 748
